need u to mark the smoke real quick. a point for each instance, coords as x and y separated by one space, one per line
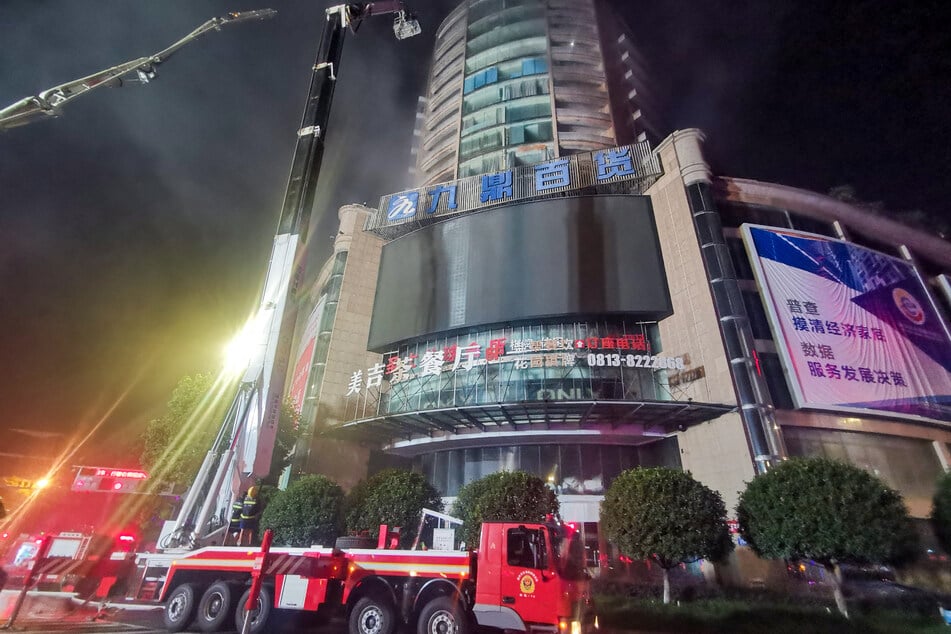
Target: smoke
138 225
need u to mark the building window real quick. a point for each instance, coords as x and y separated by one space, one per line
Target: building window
535 66
875 245
775 380
734 214
480 79
909 465
477 144
757 315
529 47
530 133
519 89
568 469
741 261
812 225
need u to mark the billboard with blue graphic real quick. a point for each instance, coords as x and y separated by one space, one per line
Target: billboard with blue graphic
856 329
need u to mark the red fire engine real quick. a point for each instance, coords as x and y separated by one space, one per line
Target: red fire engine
92 566
524 576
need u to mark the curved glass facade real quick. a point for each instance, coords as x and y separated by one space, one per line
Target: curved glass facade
506 99
516 82
569 469
602 360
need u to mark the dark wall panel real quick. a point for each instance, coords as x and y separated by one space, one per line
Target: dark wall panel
597 255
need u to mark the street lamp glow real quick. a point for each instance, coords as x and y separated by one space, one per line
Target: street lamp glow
42 483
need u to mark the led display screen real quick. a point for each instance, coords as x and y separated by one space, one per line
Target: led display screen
587 256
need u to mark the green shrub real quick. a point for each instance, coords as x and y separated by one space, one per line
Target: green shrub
509 496
665 515
827 511
309 511
393 497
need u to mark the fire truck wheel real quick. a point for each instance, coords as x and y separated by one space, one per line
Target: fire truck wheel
216 607
371 615
180 608
443 615
259 615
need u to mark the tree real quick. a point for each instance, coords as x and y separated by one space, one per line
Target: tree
177 441
941 513
827 511
510 496
309 511
665 515
393 497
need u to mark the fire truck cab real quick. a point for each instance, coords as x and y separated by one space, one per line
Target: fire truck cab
526 577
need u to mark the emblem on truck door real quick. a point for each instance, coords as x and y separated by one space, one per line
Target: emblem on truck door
526 582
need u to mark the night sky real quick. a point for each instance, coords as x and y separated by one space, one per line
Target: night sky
136 228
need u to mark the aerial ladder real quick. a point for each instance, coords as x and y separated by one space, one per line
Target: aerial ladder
50 102
245 442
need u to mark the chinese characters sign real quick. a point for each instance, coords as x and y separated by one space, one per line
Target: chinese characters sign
405 211
855 328
523 354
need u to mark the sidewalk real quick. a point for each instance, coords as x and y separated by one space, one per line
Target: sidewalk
41 606
43 609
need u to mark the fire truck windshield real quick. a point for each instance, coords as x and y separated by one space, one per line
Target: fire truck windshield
569 553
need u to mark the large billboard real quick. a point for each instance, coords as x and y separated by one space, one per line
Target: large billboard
856 329
588 256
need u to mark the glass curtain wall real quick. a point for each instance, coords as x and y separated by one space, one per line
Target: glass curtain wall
506 103
568 469
549 366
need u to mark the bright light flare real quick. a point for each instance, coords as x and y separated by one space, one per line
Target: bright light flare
242 349
42 483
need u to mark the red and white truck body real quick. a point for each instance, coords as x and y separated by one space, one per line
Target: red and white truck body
524 577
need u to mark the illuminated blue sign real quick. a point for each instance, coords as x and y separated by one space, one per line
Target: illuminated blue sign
635 164
402 206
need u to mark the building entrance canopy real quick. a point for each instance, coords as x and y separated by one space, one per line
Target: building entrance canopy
647 418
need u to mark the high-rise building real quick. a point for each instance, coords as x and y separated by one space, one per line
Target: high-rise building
601 305
516 82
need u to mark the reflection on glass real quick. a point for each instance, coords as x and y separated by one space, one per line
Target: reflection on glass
568 469
539 362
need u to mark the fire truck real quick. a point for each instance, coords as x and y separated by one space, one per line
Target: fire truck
91 565
527 577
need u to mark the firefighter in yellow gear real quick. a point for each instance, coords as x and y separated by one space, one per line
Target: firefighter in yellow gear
234 526
250 514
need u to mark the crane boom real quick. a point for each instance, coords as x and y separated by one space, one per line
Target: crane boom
50 101
246 441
